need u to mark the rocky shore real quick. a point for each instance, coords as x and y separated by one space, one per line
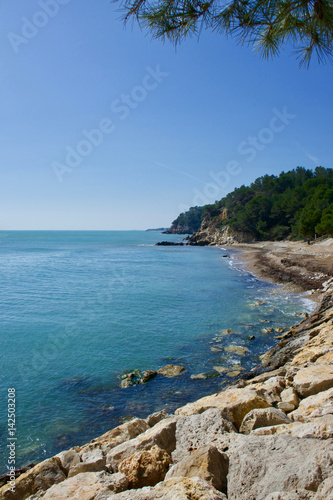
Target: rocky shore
268 436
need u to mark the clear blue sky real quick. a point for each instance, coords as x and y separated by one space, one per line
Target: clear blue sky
177 127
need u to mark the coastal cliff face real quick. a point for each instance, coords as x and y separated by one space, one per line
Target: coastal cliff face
210 234
268 436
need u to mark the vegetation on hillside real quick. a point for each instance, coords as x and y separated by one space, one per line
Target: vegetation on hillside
295 204
188 222
298 203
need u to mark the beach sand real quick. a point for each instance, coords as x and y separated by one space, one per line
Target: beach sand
298 265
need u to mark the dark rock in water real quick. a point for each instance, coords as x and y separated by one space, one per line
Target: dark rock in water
251 337
136 377
225 255
147 375
169 243
4 478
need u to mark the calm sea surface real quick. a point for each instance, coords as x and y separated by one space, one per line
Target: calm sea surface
79 309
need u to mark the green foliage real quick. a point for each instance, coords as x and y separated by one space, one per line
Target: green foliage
296 204
268 25
188 222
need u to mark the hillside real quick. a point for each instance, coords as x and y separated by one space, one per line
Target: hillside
297 204
187 222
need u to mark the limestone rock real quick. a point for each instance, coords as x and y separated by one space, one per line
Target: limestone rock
171 371
313 379
163 434
290 396
318 428
192 488
286 407
262 417
270 389
93 456
234 403
208 463
196 431
325 490
309 355
69 458
146 468
39 478
118 435
325 359
156 417
88 486
314 406
83 467
262 465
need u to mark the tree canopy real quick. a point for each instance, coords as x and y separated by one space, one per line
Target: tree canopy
266 24
296 204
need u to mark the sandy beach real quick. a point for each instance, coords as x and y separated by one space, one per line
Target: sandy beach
296 264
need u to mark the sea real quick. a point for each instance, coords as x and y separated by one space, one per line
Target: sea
79 309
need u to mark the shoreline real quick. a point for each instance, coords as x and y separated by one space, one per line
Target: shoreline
277 370
297 266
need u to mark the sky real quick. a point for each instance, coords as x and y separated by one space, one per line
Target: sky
103 128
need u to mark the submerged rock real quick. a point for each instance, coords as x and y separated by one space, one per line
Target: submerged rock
236 349
171 371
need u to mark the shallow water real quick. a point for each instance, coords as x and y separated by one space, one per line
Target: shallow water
78 309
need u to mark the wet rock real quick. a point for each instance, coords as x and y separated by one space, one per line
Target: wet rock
262 417
234 373
236 349
205 376
171 371
137 377
208 463
146 468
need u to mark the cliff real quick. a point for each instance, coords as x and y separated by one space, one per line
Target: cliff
268 436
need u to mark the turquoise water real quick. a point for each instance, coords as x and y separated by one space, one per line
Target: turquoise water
78 309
